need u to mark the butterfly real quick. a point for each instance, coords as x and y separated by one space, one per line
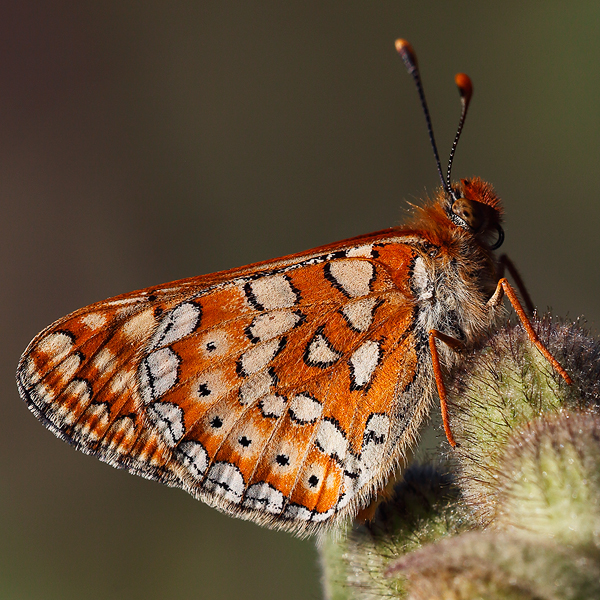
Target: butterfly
284 392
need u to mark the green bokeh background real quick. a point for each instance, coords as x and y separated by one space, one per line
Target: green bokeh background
145 142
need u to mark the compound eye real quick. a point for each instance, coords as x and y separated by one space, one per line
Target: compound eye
468 212
500 239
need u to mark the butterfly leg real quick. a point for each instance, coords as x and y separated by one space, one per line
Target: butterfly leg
504 288
439 380
514 273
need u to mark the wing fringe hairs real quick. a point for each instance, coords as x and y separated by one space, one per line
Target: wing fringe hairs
514 512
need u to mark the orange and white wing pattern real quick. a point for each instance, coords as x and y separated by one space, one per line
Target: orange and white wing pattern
284 392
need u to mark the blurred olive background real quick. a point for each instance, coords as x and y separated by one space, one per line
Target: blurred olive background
145 142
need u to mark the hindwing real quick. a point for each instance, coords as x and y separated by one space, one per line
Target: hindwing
279 392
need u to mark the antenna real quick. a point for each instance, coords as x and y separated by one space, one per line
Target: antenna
410 62
465 89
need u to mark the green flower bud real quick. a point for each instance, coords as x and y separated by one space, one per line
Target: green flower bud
506 385
549 479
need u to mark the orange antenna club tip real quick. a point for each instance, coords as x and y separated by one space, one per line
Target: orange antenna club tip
464 85
407 53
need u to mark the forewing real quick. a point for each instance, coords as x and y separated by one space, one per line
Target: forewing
273 392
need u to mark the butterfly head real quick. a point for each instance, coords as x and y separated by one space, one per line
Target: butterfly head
474 206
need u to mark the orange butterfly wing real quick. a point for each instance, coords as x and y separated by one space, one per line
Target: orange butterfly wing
283 392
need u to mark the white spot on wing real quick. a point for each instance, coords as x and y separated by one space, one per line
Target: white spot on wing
270 325
364 360
360 313
260 356
331 440
262 496
272 406
168 419
352 276
55 344
320 352
353 479
102 359
93 320
374 439
78 388
256 387
320 517
158 373
194 458
294 512
272 292
52 350
68 367
305 409
376 429
138 327
362 251
226 480
121 380
180 322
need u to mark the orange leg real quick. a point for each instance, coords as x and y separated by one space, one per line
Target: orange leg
439 379
505 288
510 267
